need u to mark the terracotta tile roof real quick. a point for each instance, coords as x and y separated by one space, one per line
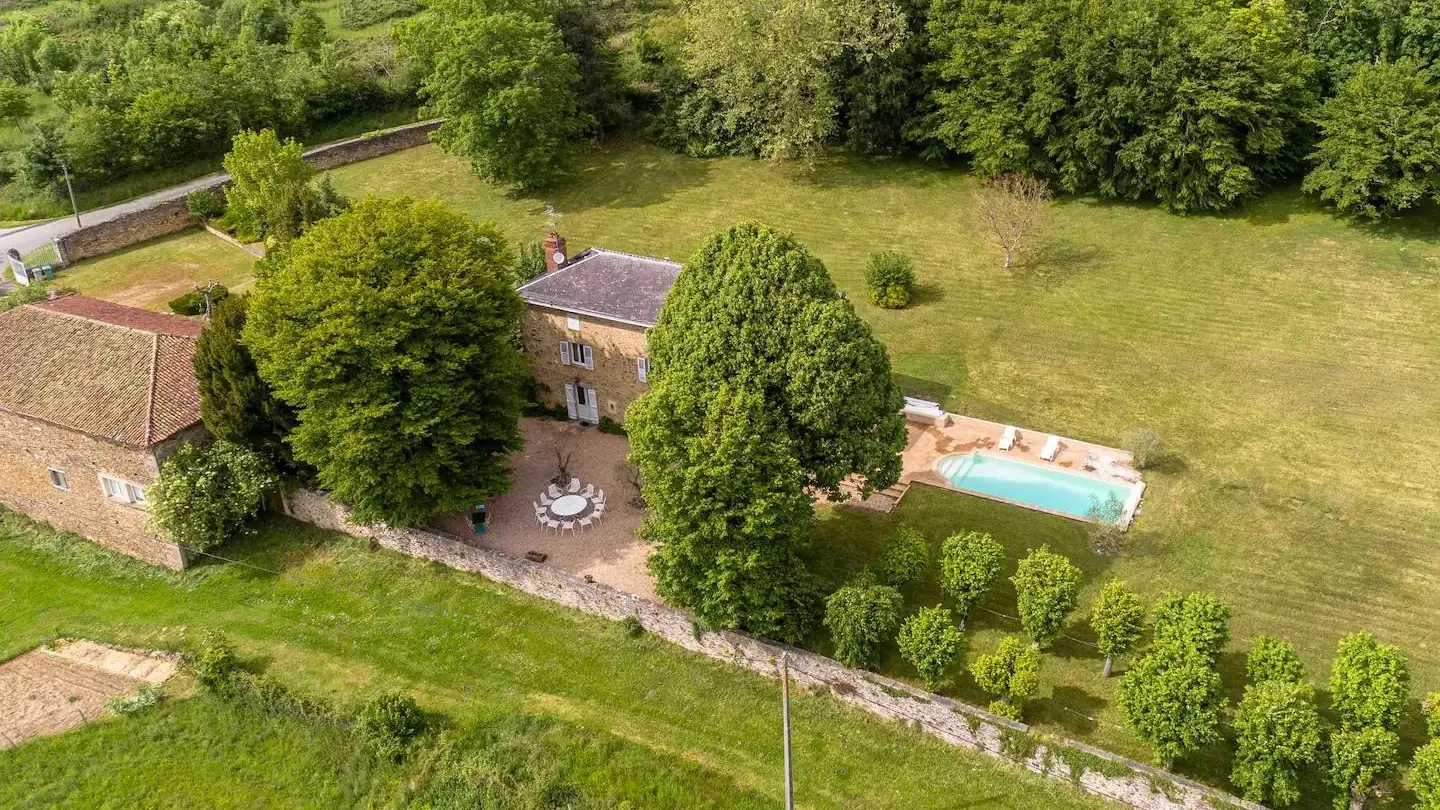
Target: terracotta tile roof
607 284
116 373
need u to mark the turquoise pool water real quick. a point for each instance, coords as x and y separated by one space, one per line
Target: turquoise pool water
1046 488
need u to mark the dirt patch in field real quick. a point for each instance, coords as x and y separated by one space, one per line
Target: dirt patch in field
53 689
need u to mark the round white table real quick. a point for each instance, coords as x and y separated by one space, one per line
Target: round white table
569 505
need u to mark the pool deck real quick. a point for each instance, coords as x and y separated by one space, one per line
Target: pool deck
961 434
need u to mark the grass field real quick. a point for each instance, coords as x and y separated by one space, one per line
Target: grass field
152 273
339 621
1291 361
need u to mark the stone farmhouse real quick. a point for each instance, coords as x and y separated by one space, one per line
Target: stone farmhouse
585 323
93 396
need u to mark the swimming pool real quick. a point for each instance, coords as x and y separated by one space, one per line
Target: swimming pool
1048 489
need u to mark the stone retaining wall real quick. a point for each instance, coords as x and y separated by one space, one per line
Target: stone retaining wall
171 216
1092 769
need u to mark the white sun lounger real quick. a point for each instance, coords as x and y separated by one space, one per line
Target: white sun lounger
1007 438
1052 447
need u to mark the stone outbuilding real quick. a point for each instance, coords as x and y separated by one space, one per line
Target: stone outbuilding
93 396
585 323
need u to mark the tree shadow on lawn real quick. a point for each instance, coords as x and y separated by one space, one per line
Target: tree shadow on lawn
622 174
1070 708
1055 261
842 170
277 544
922 388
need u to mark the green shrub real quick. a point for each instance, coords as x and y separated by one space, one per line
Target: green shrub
632 628
388 722
23 295
890 280
206 494
860 618
1431 708
193 302
356 14
608 425
146 697
205 204
1425 775
214 665
905 560
930 641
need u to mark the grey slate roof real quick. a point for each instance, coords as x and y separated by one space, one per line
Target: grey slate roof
606 284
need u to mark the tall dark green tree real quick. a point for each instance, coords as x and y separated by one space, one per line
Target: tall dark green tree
765 386
235 404
388 328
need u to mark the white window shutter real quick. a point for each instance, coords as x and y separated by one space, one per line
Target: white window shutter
642 368
564 352
588 355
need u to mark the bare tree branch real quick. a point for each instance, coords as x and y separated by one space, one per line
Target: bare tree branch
1013 208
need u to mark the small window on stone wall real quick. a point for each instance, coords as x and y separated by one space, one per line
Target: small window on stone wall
59 479
572 322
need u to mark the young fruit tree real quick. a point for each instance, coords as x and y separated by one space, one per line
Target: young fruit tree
905 559
1198 621
1277 737
1359 760
1172 698
207 493
1425 776
930 642
860 619
1369 683
1011 673
1272 659
969 564
1430 706
753 312
389 329
1012 207
1047 586
1118 620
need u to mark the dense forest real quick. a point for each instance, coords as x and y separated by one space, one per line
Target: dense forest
1196 104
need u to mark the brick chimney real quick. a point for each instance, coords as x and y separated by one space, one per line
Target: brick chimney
555 254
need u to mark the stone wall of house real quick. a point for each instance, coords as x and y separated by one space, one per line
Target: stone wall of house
172 216
29 449
615 347
1094 770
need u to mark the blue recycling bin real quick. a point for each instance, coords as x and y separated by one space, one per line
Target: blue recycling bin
479 518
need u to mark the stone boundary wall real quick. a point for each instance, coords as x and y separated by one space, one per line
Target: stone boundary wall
1092 769
171 216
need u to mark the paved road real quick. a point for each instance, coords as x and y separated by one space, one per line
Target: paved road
28 237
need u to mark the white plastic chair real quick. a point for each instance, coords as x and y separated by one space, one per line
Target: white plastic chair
546 500
568 525
1052 447
552 524
599 496
1007 437
599 511
588 491
586 521
574 486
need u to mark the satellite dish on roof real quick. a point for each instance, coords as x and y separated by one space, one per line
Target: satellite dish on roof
558 257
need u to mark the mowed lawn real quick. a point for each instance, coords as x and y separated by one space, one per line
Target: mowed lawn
151 274
1291 361
340 621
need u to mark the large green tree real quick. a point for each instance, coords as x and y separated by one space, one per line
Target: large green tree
1277 736
1197 620
389 329
1172 698
861 618
1379 148
501 76
1011 673
269 184
1194 103
1359 758
1425 775
1369 683
206 493
1047 587
769 69
1118 619
235 404
969 565
754 331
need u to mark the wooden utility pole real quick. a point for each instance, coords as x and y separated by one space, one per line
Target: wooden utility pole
785 719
